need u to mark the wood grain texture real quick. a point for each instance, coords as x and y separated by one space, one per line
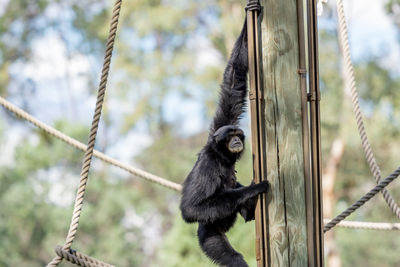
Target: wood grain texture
285 159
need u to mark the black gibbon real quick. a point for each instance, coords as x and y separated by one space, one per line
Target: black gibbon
211 194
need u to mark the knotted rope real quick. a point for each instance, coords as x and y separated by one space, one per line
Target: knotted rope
80 259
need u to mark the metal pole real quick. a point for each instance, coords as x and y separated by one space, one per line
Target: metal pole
315 129
257 110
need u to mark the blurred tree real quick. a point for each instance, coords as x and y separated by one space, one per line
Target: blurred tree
393 9
167 52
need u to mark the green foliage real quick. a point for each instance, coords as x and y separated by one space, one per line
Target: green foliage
35 214
368 248
393 9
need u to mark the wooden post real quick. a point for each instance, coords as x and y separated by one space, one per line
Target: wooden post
286 144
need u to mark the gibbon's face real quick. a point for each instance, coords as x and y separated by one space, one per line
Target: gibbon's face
231 137
235 143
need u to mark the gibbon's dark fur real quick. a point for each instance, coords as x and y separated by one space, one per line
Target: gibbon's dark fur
211 195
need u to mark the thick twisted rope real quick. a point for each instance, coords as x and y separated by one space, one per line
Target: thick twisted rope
75 143
80 259
134 171
92 136
362 200
367 225
350 83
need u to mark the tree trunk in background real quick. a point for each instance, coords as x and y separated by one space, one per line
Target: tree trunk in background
329 177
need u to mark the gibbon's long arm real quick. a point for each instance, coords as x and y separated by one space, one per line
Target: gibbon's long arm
232 99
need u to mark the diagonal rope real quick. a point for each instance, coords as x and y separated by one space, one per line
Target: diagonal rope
92 136
362 200
350 83
367 225
75 143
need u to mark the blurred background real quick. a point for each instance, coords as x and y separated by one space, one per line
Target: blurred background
162 92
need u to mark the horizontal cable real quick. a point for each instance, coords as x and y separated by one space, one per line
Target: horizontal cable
367 225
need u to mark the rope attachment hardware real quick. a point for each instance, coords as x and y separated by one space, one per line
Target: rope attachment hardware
253 5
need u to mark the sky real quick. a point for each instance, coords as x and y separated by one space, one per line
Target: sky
371 32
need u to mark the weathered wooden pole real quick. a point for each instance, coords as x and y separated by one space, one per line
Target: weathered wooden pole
285 131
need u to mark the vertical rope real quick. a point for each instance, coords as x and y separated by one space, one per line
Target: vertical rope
92 136
350 83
